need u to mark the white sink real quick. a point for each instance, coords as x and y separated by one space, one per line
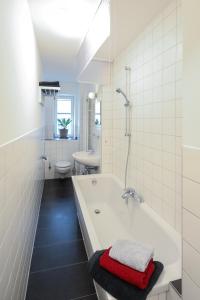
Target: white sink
90 159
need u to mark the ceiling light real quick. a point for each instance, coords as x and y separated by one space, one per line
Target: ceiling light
92 95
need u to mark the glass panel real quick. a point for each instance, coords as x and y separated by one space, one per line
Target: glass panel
64 106
64 111
65 116
97 108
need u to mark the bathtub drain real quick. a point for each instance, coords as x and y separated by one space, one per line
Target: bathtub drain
97 211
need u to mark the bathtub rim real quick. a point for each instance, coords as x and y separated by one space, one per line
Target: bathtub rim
174 268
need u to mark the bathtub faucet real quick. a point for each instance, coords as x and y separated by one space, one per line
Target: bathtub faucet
131 193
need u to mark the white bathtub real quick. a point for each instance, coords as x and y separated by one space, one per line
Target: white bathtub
117 220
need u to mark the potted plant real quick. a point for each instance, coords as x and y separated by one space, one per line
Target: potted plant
63 131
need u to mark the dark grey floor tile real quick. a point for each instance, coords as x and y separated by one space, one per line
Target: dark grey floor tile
58 233
66 206
177 285
59 242
58 255
56 196
91 297
60 214
57 188
61 284
58 183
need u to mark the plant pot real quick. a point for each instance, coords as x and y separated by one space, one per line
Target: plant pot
63 133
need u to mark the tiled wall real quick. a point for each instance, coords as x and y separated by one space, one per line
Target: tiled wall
57 150
154 86
21 185
191 151
191 223
106 136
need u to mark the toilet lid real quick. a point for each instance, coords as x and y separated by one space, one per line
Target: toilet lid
63 164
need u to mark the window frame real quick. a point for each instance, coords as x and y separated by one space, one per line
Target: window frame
65 97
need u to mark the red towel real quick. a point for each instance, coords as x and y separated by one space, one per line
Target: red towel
139 279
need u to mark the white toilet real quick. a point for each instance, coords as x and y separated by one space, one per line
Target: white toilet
63 167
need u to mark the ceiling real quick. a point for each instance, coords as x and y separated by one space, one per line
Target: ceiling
60 27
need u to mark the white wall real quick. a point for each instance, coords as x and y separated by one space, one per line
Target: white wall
98 32
97 71
19 68
21 170
191 151
154 88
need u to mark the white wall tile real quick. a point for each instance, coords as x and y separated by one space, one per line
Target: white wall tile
191 229
170 9
191 163
107 130
169 57
169 74
170 39
169 91
169 22
191 262
190 289
21 187
191 192
179 52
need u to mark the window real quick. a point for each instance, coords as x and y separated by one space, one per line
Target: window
65 110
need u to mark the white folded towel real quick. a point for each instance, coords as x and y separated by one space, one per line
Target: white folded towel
132 254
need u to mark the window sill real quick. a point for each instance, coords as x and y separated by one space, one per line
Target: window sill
62 139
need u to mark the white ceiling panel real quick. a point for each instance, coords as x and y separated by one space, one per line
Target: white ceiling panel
60 27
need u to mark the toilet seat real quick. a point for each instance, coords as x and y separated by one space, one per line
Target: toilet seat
63 164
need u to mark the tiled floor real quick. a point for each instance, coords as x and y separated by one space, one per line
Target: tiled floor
177 285
59 262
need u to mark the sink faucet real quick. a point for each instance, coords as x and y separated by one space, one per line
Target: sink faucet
43 157
131 193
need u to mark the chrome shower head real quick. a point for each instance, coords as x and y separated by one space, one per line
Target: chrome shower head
118 90
121 92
